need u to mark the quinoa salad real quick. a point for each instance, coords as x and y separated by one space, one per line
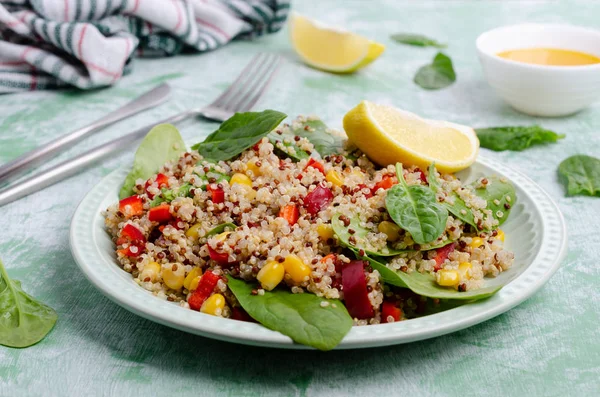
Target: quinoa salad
296 214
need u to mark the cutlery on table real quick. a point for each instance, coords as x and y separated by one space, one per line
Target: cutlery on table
27 161
240 96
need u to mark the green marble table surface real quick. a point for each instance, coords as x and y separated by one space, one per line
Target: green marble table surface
547 346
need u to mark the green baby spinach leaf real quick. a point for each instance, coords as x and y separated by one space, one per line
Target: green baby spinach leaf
360 234
285 146
221 228
317 133
515 138
500 196
424 284
306 318
238 133
24 321
163 143
581 175
416 40
439 74
416 210
456 205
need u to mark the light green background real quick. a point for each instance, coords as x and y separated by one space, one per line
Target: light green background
547 346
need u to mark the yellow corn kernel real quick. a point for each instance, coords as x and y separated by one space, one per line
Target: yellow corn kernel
173 276
270 275
297 270
251 165
193 231
213 305
390 229
500 235
464 270
222 236
195 273
194 284
476 242
448 278
240 179
325 232
150 272
334 177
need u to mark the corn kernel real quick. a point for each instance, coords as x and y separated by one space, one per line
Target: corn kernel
447 278
151 272
195 273
500 235
297 270
271 275
240 179
173 278
390 229
476 242
464 270
251 166
222 236
194 283
192 232
325 232
213 305
334 177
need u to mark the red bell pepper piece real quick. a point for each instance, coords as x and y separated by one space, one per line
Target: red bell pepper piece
389 309
134 250
315 164
317 200
290 213
442 255
206 286
387 182
161 181
161 213
356 296
132 234
131 206
422 176
367 195
220 257
218 195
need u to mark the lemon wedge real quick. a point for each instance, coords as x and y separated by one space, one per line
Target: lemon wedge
329 49
389 135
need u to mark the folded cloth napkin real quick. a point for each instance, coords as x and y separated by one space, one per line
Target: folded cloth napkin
90 43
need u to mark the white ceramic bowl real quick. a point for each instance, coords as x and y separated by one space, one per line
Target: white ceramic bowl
539 90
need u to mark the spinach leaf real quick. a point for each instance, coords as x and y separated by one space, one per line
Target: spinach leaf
221 228
316 132
416 210
416 40
306 318
163 143
360 234
581 175
515 138
439 74
500 196
168 195
285 146
238 133
456 205
424 284
24 320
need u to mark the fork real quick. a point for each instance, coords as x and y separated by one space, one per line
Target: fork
240 96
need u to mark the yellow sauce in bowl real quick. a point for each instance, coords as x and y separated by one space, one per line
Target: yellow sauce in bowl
550 57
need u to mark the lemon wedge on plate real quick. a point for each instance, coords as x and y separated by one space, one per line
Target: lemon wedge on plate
330 49
389 135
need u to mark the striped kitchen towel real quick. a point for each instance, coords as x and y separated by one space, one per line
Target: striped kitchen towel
90 43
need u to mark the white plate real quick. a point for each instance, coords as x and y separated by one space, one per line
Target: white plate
535 231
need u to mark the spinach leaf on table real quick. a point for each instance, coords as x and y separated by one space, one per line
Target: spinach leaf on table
515 138
299 316
360 234
581 175
24 321
416 210
418 40
238 133
424 284
439 74
163 143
